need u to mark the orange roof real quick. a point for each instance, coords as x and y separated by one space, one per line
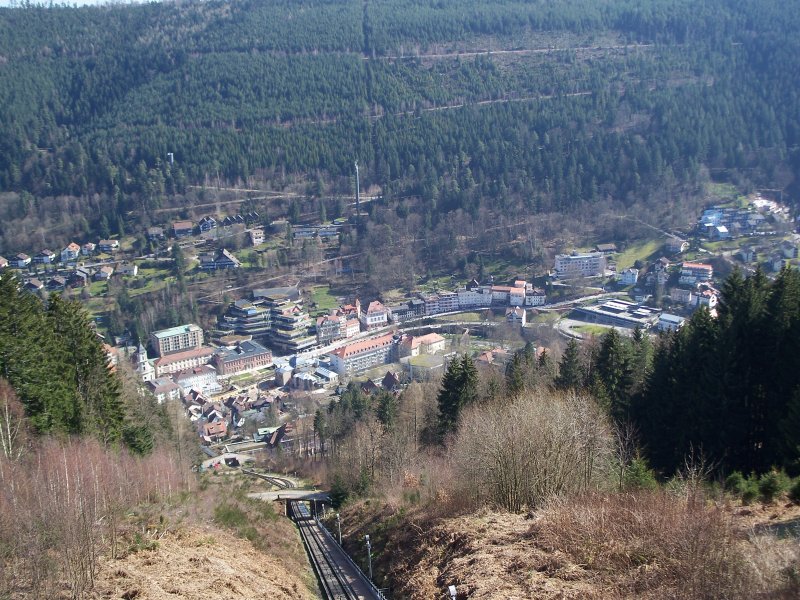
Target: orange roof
363 346
185 355
430 338
692 265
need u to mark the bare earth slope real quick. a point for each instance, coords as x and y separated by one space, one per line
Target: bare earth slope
617 546
197 563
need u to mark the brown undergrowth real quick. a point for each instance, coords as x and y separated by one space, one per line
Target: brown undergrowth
649 544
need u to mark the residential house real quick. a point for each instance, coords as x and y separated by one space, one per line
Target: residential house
216 431
88 248
104 273
535 296
391 382
155 234
207 224
573 265
221 259
606 248
56 283
257 237
776 262
70 253
127 269
747 255
431 343
246 356
164 389
628 276
516 315
182 229
708 297
108 246
21 260
789 249
683 296
78 278
3 263
45 257
359 356
675 245
400 313
375 316
33 285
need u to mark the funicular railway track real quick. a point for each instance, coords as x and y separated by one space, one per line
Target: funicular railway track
332 580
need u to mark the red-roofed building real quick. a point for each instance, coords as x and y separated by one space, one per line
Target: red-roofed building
359 356
180 361
692 273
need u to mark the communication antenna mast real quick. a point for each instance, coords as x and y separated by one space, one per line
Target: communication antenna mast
358 196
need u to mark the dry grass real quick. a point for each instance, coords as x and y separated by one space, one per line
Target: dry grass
643 545
653 544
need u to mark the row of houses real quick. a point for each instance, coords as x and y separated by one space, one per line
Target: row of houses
473 295
71 253
79 277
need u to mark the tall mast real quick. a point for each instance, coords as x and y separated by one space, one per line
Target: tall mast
358 197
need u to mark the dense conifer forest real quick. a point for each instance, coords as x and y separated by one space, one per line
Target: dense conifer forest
577 103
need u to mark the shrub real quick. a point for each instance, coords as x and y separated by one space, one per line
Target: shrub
231 516
771 485
750 492
735 483
639 476
794 491
655 544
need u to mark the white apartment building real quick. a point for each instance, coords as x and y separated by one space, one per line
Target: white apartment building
590 264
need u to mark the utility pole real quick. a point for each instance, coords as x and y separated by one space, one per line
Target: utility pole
339 527
358 197
369 556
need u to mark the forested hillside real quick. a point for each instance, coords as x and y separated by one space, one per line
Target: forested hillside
578 103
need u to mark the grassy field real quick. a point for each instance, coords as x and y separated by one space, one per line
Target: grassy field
470 317
638 251
322 301
590 329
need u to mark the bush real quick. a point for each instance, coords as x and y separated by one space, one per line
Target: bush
735 483
750 491
794 491
771 485
230 516
639 476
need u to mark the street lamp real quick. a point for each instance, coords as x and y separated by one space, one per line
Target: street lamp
339 527
369 556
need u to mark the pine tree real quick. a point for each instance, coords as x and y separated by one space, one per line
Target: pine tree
449 400
571 371
515 375
614 372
